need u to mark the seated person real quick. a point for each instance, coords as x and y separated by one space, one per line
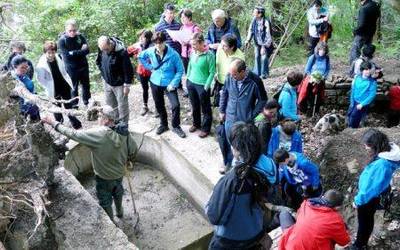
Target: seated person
20 72
367 54
299 177
318 225
285 136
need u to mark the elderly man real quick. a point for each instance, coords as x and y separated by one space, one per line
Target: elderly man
221 26
167 70
111 145
242 99
17 48
117 72
74 49
167 22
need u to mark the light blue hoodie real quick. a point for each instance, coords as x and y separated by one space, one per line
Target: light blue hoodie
288 102
363 91
376 176
171 70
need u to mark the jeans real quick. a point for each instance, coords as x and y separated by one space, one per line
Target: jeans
229 154
108 190
260 62
118 101
144 81
80 77
286 220
358 43
201 103
158 96
355 116
365 217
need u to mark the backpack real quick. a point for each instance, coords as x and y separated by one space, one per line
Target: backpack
277 94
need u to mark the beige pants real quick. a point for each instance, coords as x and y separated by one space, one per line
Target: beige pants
118 101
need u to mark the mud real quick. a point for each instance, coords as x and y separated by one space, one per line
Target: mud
167 220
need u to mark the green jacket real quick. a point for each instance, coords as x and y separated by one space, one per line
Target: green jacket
109 148
201 68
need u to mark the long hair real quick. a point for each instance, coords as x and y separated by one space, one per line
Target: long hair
376 140
246 140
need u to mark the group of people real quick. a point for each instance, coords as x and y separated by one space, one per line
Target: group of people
261 146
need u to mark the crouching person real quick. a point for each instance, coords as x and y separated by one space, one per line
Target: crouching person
110 145
319 225
235 204
299 177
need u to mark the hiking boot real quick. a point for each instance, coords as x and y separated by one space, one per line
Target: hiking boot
192 129
161 130
178 130
144 110
203 134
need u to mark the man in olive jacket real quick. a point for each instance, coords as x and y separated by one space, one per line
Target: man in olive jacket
111 145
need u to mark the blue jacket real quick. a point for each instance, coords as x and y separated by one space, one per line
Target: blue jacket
170 71
363 91
307 168
228 28
288 102
163 26
232 213
27 108
318 63
296 142
243 105
376 176
266 166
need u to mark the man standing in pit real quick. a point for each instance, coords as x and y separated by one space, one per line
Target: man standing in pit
74 49
111 146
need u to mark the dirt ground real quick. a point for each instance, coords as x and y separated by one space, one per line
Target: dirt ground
167 220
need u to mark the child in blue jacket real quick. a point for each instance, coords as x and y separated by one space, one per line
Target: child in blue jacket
20 71
299 177
285 136
374 181
363 92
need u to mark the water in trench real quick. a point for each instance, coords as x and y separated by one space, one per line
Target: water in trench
167 219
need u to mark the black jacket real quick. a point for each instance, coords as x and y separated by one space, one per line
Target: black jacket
115 67
7 66
71 51
243 105
367 17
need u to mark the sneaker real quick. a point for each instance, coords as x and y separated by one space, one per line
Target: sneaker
144 110
192 129
178 130
161 130
203 134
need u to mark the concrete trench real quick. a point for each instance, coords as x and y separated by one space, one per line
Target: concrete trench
179 183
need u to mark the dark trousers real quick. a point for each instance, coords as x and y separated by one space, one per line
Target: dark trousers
185 61
144 81
109 190
201 103
216 93
80 77
358 43
313 41
355 116
76 124
365 217
158 96
229 155
392 118
219 243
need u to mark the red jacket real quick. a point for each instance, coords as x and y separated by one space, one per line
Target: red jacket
134 50
302 90
394 96
317 227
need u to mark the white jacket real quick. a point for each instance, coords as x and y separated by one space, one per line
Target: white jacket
44 76
313 20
